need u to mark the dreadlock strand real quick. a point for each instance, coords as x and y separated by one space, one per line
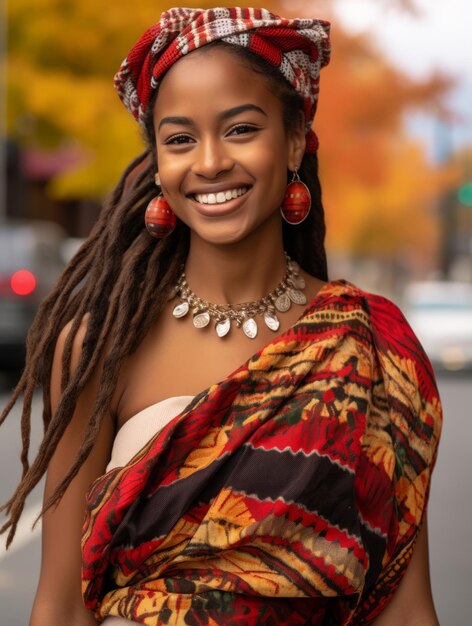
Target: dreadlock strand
96 290
136 306
26 430
48 358
11 523
124 302
15 504
19 389
77 321
95 341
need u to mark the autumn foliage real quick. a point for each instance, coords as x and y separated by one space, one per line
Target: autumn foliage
378 184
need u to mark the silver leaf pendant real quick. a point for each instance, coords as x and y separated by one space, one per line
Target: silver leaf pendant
283 303
250 328
296 296
222 328
181 309
200 320
271 321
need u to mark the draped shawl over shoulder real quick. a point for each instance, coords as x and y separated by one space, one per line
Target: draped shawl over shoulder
291 492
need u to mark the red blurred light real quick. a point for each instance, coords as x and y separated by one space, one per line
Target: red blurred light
23 283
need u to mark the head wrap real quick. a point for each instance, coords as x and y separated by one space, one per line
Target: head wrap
298 47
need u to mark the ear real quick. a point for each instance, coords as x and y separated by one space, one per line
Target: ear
296 144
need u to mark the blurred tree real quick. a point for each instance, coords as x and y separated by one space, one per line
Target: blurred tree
375 179
62 55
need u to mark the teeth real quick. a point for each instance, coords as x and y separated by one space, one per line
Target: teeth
221 196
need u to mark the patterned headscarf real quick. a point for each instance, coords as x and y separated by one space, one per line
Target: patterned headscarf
299 48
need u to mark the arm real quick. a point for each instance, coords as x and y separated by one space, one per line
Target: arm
58 598
412 604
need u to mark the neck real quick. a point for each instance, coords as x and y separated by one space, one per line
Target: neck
233 273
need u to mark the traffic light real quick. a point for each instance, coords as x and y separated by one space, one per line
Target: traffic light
465 194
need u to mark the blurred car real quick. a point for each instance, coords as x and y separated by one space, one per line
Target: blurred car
30 263
440 314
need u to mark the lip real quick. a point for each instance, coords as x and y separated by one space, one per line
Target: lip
218 210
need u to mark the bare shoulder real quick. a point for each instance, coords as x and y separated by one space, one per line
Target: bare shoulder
77 344
313 285
79 336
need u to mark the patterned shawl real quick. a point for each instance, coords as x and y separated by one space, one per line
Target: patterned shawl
291 492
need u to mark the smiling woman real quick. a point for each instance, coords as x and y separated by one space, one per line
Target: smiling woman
254 442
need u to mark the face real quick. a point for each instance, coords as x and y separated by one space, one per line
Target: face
222 148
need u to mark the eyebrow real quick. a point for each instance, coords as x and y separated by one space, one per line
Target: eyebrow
224 115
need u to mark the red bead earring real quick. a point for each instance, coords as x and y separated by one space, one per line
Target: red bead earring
297 201
159 218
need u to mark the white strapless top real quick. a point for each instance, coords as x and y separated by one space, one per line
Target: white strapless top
137 431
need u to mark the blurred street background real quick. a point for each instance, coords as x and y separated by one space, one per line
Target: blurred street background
395 128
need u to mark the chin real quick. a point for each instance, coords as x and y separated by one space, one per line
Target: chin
222 237
222 232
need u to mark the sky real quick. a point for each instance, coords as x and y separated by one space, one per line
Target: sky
440 37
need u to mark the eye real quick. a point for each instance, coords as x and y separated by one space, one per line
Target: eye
176 140
244 128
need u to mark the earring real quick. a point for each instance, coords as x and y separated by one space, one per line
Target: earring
297 201
159 218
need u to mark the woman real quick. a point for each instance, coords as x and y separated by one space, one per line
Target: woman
292 491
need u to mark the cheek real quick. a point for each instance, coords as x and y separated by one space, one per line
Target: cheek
271 172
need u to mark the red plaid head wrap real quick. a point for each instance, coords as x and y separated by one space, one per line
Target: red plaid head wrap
298 47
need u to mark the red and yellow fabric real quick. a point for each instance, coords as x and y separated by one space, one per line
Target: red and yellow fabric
291 492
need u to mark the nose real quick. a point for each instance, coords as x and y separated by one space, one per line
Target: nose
211 157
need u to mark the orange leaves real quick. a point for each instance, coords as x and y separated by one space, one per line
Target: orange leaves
378 184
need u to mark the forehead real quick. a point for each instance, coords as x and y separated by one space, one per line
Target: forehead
215 79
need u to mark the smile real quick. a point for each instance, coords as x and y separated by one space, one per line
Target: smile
221 197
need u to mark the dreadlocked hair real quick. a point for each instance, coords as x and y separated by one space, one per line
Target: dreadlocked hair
120 280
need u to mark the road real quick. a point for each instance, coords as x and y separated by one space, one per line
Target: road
450 512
